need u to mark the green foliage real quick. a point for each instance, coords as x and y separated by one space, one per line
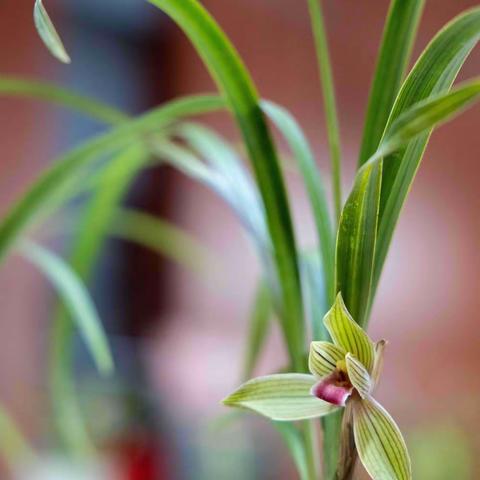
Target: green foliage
48 34
400 117
398 37
76 299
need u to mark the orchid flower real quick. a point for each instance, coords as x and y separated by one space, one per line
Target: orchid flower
343 374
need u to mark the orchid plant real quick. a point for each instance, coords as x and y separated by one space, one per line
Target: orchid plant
343 374
297 287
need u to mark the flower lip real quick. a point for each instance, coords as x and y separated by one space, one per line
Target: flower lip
336 388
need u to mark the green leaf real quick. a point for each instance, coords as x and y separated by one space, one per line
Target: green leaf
258 328
233 80
358 375
323 358
21 87
433 74
347 334
302 152
398 37
233 182
76 299
161 237
379 442
14 447
356 241
48 34
52 185
93 227
294 441
314 292
282 397
425 115
328 90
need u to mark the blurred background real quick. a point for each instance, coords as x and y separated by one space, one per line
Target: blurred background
179 338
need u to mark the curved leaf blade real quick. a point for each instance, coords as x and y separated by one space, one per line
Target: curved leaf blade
424 116
258 329
398 37
76 299
48 33
356 241
161 237
433 74
232 78
314 185
22 87
54 181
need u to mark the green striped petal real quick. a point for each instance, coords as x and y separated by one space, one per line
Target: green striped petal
282 397
323 358
379 442
358 375
347 334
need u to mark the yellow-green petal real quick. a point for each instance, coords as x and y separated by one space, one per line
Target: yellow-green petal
323 358
358 375
379 442
347 334
282 397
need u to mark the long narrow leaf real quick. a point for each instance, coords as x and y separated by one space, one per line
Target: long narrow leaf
232 78
398 38
326 75
302 152
433 74
77 300
63 173
425 115
94 224
234 183
48 34
25 88
356 241
258 328
161 237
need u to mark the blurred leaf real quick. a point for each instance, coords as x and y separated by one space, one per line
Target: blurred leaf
234 81
282 397
302 152
48 34
398 38
14 447
20 87
314 292
236 186
293 439
97 217
64 173
357 235
441 453
161 237
258 328
328 90
432 75
76 299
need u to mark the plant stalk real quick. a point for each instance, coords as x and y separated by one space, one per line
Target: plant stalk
328 91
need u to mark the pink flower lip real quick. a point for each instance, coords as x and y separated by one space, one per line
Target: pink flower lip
334 389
